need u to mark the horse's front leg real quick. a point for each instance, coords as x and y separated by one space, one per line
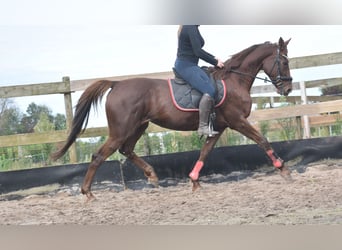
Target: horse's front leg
245 128
206 149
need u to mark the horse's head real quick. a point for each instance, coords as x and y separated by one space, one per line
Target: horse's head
276 66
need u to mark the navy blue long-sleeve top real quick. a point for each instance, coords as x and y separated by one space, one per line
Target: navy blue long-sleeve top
190 44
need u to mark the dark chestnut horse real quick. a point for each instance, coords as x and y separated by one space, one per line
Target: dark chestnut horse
133 103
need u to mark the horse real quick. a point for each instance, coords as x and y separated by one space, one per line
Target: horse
132 103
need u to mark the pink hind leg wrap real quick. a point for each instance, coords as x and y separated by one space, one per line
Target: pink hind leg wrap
277 162
195 171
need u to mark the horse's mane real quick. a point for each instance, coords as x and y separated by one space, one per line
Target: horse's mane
234 61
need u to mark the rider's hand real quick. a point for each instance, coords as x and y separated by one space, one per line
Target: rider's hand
220 64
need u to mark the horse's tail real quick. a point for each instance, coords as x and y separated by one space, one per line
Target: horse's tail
91 96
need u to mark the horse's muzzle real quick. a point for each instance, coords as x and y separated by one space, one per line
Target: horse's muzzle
287 91
284 90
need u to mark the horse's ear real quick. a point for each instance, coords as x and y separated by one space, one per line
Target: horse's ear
287 42
283 44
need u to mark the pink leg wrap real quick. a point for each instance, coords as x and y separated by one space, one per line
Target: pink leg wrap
277 162
195 171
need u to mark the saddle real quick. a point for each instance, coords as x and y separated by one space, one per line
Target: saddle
186 98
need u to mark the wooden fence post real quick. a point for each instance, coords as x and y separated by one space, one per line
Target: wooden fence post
69 117
299 134
306 123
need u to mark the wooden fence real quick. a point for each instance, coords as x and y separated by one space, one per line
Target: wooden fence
66 87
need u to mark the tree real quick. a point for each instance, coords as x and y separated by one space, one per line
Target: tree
41 152
3 105
10 117
44 124
60 122
34 111
38 118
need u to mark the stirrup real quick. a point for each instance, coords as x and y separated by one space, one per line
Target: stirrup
207 131
211 126
212 132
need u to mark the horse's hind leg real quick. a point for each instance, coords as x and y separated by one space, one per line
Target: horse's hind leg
98 158
127 150
147 168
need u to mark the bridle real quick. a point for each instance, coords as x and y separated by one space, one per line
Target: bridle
278 82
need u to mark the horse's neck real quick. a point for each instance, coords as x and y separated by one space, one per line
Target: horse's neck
253 63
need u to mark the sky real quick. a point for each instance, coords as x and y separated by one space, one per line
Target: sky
44 44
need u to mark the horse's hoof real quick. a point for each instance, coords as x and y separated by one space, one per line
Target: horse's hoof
195 185
286 174
89 195
154 182
90 199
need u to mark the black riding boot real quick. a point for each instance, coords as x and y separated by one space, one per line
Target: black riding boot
206 106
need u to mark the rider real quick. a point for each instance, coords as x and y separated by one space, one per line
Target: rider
190 43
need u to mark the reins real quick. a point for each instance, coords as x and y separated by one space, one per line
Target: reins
250 75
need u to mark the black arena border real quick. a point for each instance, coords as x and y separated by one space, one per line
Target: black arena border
222 160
